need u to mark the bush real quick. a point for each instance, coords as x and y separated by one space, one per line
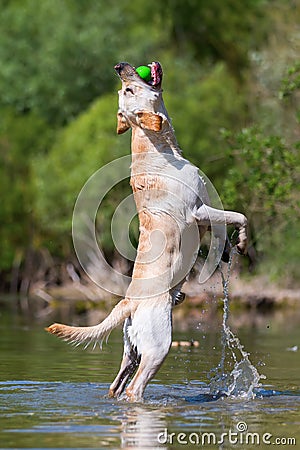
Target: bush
201 104
262 183
86 144
21 138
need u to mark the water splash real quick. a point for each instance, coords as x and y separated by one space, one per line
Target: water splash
235 376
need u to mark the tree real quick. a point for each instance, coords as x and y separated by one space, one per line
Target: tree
262 182
58 56
82 147
21 137
201 105
213 31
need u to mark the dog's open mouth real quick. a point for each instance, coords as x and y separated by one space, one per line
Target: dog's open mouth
151 74
156 74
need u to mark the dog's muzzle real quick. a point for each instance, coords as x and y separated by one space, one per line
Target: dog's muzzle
128 73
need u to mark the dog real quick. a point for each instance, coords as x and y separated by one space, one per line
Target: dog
174 214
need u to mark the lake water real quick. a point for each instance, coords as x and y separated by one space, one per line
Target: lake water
54 396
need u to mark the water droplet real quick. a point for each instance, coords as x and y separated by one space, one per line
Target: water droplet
241 378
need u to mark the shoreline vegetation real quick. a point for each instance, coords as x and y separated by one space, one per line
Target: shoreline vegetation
253 300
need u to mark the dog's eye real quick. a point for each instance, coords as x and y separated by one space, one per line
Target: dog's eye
129 90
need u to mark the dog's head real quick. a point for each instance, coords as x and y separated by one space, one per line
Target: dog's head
140 101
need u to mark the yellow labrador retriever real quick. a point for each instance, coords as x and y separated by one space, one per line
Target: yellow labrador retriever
174 213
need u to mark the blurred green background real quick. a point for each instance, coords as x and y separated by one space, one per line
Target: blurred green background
231 82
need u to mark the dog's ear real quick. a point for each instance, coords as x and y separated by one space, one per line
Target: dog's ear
122 124
149 121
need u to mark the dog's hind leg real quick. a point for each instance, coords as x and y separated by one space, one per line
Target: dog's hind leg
129 364
153 332
149 365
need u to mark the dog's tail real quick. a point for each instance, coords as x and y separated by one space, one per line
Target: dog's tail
97 333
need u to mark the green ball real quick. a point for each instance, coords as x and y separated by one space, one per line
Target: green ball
144 72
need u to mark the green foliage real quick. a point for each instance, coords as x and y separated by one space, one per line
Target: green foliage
282 252
201 104
217 31
21 137
57 56
291 82
262 182
290 87
262 173
60 55
86 144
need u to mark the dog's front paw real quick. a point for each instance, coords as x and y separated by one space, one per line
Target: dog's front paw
242 241
242 248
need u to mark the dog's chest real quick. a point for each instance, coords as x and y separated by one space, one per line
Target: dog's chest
146 182
166 183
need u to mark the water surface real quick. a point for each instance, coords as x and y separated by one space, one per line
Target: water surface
54 396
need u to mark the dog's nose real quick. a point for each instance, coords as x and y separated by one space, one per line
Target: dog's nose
119 67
